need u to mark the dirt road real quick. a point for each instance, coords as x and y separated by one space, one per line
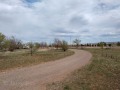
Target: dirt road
36 77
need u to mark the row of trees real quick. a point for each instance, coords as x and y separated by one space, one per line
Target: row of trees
12 43
9 43
60 44
102 44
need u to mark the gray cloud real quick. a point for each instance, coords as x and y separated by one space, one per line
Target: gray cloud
85 31
78 21
102 6
62 30
39 19
116 34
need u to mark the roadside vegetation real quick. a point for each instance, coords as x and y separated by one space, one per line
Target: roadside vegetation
14 53
21 58
103 73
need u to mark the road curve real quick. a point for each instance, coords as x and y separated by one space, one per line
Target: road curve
36 77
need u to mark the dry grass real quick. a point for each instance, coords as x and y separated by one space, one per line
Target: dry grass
22 58
102 74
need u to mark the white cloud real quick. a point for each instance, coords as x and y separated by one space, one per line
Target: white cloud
42 18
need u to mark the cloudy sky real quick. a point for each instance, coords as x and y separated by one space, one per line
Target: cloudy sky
44 20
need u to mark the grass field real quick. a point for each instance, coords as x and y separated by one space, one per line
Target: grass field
23 58
103 73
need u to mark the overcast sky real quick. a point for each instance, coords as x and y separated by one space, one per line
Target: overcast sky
44 20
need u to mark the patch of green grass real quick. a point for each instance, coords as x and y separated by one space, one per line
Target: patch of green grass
103 73
13 60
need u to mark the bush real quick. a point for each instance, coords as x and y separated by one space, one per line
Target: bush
64 45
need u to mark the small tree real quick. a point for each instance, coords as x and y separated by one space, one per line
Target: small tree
43 45
2 39
31 45
118 43
6 44
64 45
102 44
110 45
57 43
37 45
19 44
77 42
12 44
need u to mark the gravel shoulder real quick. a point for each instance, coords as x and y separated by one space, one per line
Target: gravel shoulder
36 77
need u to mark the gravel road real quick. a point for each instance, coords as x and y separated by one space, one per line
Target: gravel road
36 77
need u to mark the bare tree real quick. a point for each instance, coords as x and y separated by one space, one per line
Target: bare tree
43 44
12 43
57 43
77 42
19 44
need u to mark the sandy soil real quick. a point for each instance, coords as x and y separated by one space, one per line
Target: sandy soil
36 77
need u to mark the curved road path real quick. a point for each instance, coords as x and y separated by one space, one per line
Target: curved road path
36 77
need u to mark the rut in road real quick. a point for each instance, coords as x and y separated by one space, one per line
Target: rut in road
36 77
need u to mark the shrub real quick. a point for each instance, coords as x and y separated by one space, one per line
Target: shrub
64 45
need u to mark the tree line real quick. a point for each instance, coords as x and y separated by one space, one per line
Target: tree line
11 44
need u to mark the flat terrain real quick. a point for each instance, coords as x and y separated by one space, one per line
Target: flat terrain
36 77
22 58
103 73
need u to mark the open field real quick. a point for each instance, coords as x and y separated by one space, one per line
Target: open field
36 77
103 73
23 58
